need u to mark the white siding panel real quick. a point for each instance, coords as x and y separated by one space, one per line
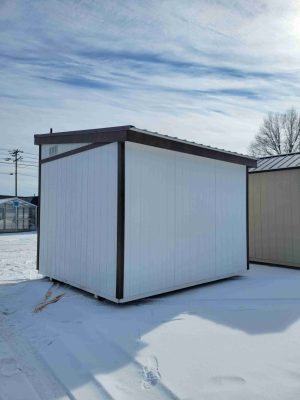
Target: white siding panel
231 238
49 150
175 206
79 220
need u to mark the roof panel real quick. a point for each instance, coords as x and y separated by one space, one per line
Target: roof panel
11 199
278 162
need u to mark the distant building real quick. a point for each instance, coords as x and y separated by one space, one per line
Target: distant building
17 215
274 210
31 199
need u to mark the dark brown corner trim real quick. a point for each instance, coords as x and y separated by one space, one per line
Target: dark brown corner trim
120 221
39 213
72 152
247 216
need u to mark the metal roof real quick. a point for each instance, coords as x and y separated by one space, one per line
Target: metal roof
143 136
132 128
11 199
278 162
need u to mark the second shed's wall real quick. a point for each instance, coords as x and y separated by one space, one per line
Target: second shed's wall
78 220
274 217
185 220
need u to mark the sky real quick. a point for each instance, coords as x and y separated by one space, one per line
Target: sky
202 70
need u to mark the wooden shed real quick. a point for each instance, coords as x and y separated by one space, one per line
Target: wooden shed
127 213
274 210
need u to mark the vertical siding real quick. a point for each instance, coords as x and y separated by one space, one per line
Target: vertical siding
60 148
185 219
274 215
230 228
79 219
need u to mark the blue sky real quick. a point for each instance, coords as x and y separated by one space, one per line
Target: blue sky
201 70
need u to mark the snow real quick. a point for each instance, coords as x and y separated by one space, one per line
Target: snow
236 339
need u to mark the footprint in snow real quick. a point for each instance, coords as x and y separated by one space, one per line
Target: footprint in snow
150 373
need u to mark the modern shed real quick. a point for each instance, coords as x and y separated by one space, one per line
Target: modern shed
274 210
17 215
127 213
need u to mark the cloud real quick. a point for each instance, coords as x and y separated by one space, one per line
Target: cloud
201 70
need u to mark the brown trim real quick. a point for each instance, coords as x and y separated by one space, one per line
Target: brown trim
274 170
247 216
120 221
129 133
274 265
39 212
72 152
92 135
188 148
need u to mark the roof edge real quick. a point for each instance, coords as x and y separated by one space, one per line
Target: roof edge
132 134
17 198
101 135
171 143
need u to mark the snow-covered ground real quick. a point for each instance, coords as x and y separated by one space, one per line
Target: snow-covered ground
236 339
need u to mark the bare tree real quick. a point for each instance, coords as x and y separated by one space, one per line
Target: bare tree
278 134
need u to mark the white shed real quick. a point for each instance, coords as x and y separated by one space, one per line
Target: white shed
127 213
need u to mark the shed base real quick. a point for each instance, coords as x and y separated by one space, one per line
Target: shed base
148 294
270 264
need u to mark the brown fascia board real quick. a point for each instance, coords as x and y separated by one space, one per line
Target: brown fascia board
188 148
129 133
103 135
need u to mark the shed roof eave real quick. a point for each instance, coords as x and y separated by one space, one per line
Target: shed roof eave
132 134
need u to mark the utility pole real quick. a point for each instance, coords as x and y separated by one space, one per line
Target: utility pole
15 157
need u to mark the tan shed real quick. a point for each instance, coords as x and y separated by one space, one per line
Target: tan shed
274 211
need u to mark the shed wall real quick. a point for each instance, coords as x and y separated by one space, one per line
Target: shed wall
79 220
274 217
185 220
49 150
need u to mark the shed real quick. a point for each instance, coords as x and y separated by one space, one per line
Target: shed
274 210
17 215
126 213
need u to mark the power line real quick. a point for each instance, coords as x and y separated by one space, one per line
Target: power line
32 176
33 154
21 164
19 173
28 166
25 152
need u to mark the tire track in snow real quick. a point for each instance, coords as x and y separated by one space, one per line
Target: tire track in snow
23 374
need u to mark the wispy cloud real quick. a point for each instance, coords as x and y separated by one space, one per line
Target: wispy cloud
204 70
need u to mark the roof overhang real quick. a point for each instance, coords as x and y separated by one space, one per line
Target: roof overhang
131 134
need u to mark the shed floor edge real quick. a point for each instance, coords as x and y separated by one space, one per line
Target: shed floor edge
87 290
274 264
182 287
148 294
